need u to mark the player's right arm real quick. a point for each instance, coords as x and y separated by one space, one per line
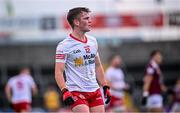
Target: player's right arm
67 96
8 92
59 69
61 55
147 81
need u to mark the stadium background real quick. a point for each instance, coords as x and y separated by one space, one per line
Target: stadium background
31 29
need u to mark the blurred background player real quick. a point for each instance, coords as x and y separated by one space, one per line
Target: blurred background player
176 97
78 56
52 99
153 84
115 77
19 90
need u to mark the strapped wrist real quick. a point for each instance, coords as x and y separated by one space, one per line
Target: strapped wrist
106 87
64 90
145 93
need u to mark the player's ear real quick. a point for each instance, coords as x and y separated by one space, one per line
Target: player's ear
76 22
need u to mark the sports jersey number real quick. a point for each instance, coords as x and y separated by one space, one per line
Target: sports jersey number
19 85
87 49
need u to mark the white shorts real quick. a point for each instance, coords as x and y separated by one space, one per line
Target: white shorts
155 101
175 107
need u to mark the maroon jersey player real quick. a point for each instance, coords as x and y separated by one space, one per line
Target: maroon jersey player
153 83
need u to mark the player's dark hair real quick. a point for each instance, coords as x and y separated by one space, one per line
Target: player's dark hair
74 13
154 52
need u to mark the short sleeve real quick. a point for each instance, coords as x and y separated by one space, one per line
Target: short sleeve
61 53
31 82
150 71
10 82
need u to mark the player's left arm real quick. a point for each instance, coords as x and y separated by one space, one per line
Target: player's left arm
34 90
100 72
33 86
101 79
163 87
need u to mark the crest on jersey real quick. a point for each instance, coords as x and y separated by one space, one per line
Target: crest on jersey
78 61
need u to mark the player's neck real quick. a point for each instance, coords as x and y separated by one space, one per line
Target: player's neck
78 34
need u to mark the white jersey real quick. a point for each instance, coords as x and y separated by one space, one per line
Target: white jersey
116 78
21 86
79 59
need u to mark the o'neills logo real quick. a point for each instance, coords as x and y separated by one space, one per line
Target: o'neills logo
76 51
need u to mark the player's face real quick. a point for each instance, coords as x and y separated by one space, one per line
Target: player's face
158 58
84 22
117 61
26 71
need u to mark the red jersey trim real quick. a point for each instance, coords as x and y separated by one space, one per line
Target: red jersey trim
60 56
83 41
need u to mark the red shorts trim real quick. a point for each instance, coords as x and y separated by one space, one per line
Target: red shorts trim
18 107
90 99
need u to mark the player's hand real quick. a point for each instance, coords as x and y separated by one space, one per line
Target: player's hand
107 94
144 99
67 97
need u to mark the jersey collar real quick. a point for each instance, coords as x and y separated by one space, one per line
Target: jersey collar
83 41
